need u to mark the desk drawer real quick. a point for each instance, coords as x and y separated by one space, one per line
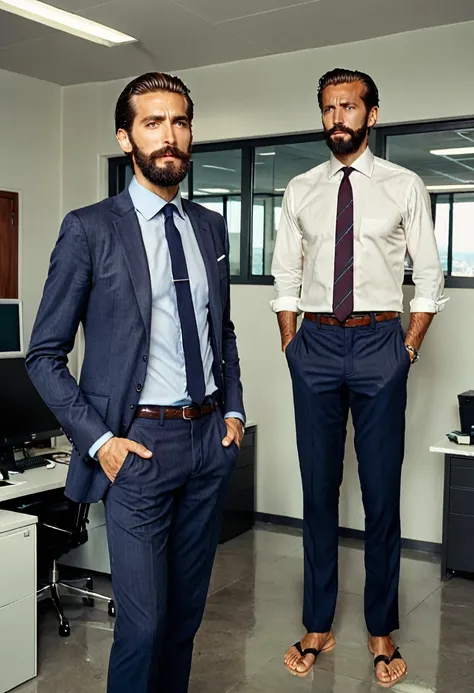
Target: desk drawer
460 543
461 501
18 564
462 476
18 650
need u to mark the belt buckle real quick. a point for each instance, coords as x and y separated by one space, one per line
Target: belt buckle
187 418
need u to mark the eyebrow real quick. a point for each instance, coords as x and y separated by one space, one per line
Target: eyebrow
160 118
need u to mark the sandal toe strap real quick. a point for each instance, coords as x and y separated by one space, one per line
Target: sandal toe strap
396 655
311 651
387 660
381 658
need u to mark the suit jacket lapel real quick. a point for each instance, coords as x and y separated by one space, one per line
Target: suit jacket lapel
208 251
130 236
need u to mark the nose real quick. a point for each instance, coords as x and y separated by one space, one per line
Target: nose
338 116
169 133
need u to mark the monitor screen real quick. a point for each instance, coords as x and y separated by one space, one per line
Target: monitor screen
24 417
11 328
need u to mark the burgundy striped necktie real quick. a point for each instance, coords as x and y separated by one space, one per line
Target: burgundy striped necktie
343 293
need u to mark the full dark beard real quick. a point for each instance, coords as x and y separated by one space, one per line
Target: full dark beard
166 175
342 146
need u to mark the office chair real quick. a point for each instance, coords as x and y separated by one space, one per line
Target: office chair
62 528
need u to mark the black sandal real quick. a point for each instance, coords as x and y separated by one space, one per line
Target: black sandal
311 651
388 660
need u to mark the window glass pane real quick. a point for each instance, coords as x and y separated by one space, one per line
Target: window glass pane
437 157
463 235
216 185
445 162
274 168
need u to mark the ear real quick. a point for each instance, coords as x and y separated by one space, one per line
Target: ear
373 117
124 141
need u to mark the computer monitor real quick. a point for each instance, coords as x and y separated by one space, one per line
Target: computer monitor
24 417
11 328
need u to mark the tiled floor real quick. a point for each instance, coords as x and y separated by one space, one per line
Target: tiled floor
253 614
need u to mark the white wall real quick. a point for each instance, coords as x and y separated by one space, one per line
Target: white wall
30 164
421 75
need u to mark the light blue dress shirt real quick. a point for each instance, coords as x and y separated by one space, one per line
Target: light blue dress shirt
165 382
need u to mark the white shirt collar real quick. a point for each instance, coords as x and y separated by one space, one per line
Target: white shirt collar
364 164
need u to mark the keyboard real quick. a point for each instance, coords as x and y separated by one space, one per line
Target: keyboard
27 463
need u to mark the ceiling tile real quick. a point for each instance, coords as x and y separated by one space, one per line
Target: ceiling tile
175 37
326 23
14 29
221 10
174 40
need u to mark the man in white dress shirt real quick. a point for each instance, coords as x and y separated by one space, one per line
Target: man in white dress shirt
345 230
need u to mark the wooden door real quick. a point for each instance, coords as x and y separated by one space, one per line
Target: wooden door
8 245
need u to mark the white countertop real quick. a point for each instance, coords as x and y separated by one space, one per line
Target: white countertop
10 520
449 448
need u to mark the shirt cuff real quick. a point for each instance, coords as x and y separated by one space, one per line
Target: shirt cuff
94 449
285 303
234 415
426 305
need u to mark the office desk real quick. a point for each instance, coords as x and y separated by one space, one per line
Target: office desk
458 508
33 481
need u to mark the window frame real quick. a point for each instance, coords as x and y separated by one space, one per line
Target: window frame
248 147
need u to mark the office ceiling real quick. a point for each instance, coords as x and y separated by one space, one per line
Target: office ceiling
179 34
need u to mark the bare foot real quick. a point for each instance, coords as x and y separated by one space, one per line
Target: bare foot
301 665
387 674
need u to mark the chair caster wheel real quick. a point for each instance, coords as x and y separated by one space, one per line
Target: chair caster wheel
64 629
88 601
111 608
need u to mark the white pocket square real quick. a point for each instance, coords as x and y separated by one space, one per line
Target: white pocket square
220 258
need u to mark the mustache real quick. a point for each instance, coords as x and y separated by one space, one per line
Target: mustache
340 128
170 151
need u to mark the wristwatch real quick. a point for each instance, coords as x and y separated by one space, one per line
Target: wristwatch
412 350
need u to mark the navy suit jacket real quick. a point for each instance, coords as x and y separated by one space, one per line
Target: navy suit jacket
99 277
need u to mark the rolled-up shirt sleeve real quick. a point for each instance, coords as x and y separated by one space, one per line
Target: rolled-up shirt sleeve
287 265
428 275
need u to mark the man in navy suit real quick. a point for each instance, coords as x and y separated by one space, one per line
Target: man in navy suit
157 417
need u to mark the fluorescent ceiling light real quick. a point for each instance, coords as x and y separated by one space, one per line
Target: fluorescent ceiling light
450 188
456 151
280 189
66 21
219 168
267 153
215 191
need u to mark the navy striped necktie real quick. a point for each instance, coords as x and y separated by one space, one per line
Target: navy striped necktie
196 385
343 293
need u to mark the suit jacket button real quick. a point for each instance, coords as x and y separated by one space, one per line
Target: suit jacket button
145 358
139 387
132 406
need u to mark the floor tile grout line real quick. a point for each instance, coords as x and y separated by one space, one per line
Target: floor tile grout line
440 587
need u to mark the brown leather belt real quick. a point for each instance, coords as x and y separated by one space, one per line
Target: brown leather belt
352 320
186 413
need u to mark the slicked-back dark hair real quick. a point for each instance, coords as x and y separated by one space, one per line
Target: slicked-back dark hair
148 84
342 76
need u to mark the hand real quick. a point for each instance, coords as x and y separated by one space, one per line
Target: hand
113 453
235 432
285 344
410 353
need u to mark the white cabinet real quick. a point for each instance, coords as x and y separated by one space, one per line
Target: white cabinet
17 599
